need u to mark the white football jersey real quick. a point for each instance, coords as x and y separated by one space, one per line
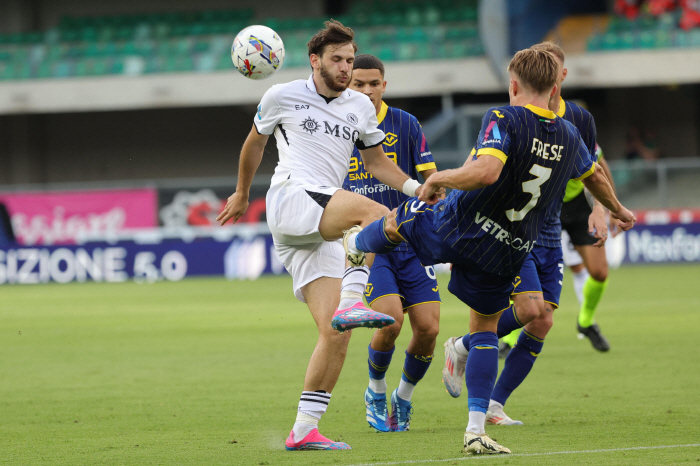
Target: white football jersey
315 137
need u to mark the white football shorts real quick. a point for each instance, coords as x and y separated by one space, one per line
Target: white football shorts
571 255
293 214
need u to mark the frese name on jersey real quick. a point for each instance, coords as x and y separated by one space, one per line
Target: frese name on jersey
493 228
546 151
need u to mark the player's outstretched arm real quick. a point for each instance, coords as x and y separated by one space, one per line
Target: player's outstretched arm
598 185
382 168
251 156
475 175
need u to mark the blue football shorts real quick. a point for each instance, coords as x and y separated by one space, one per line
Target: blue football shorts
401 274
487 293
542 272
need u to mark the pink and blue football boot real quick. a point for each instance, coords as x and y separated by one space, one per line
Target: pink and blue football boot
314 441
357 316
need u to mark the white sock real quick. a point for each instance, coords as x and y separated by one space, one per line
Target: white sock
312 405
477 422
405 391
495 406
353 286
378 386
460 348
303 426
580 280
352 246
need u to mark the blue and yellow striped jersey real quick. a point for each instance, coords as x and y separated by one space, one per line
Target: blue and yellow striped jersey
550 236
497 226
405 144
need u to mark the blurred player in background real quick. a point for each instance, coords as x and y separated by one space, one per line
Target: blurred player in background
587 262
488 225
317 123
398 283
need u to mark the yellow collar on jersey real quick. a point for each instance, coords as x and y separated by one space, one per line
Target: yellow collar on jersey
382 112
540 111
562 107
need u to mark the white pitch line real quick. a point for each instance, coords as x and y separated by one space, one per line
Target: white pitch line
482 457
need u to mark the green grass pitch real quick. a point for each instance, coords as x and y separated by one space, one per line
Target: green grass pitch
208 372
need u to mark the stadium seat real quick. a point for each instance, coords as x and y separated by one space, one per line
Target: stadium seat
201 41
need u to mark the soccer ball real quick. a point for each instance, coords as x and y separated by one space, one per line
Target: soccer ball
257 52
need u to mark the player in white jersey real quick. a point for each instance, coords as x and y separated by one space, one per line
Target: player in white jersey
317 123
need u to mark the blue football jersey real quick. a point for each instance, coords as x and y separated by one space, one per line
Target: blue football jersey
550 236
405 144
497 226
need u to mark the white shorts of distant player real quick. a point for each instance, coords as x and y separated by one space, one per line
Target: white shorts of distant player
614 250
293 216
571 256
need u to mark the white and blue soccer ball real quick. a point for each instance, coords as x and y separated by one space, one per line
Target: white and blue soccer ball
257 52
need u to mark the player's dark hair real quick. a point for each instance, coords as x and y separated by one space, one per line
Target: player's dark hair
334 34
368 62
536 69
551 47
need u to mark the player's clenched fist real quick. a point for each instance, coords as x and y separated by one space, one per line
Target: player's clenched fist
626 218
429 192
236 205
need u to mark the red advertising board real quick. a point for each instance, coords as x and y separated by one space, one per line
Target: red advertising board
61 217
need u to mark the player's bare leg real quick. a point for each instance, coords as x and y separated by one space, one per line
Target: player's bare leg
343 211
481 371
327 360
597 265
346 209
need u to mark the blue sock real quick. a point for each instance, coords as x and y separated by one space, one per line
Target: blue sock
378 362
506 324
517 366
482 369
415 367
373 238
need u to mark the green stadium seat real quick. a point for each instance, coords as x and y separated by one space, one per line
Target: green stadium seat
646 40
45 70
117 67
205 63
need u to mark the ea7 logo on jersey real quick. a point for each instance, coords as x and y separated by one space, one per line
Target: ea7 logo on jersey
301 107
310 125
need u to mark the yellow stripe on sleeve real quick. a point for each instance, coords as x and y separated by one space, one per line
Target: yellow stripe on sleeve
499 154
425 166
587 174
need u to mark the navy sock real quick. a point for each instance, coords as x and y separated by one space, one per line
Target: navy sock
415 367
378 362
482 369
508 322
517 366
373 238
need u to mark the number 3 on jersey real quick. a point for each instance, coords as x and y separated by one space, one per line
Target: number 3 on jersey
533 187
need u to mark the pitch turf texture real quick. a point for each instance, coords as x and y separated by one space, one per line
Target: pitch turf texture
208 372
